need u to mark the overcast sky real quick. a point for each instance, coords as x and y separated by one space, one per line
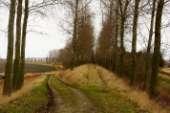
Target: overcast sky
45 32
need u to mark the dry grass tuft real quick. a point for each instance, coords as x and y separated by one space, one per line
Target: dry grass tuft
166 70
29 83
99 76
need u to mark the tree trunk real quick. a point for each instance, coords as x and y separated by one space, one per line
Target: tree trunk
16 78
116 31
123 10
148 53
134 40
24 32
122 30
74 43
157 44
9 61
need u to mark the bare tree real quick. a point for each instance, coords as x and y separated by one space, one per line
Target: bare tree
75 30
17 44
116 35
157 46
148 53
9 63
123 7
24 31
134 39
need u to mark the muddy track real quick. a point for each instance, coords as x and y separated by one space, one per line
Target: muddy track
63 98
70 100
51 103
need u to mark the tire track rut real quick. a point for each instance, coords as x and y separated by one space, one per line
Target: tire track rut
69 100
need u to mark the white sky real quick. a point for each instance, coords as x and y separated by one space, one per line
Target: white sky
45 33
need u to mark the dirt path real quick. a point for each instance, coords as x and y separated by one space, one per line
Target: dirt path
84 103
50 107
70 100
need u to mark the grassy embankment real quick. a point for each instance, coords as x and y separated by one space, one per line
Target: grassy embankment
111 101
100 78
104 101
164 84
163 87
30 102
89 89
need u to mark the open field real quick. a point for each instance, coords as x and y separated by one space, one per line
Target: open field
32 68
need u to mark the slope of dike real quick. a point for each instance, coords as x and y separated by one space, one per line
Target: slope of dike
97 76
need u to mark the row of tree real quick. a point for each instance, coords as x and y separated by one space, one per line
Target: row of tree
19 11
142 68
14 72
79 49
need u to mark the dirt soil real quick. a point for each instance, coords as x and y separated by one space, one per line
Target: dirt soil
70 100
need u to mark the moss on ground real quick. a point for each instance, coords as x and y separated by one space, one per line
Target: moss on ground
29 103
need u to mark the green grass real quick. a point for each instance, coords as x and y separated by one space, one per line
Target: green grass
104 101
29 103
110 102
164 84
165 80
64 91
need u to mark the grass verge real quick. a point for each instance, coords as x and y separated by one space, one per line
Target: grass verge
30 102
164 81
64 91
110 102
